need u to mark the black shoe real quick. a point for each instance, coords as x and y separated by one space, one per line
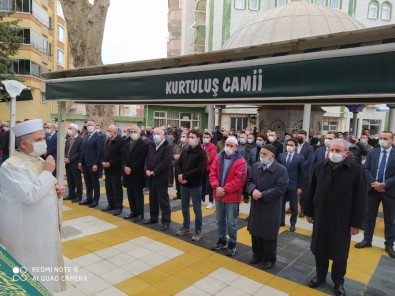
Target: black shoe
68 198
130 216
150 221
231 250
282 224
86 202
363 244
108 208
315 282
93 205
339 290
292 228
170 185
164 227
255 260
176 197
267 265
246 219
390 251
138 218
117 212
219 245
76 200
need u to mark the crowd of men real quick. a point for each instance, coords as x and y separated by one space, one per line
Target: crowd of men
338 180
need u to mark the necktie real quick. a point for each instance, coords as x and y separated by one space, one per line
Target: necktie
71 145
380 174
327 154
288 158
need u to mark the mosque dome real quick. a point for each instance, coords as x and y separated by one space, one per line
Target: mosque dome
296 20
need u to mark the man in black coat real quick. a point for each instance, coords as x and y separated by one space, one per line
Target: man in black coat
335 202
133 160
72 153
157 167
111 162
272 137
90 161
189 171
266 183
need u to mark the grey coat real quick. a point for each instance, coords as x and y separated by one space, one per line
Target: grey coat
265 213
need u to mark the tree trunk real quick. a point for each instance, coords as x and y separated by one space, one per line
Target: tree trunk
85 26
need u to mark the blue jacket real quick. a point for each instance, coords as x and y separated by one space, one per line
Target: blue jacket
92 149
52 144
295 169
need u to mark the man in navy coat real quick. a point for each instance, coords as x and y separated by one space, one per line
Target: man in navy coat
322 153
294 163
91 155
380 172
51 137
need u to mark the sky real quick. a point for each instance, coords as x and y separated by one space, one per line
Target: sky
135 30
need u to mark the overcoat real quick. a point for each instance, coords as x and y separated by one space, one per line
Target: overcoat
134 158
265 213
336 200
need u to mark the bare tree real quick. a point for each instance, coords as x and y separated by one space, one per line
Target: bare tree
85 26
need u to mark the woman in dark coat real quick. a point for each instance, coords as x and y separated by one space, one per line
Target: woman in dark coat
335 203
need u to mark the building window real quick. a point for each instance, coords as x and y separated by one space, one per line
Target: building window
373 125
60 58
386 11
41 14
334 4
328 126
60 34
43 98
16 5
373 10
281 2
254 5
25 35
320 2
21 67
177 119
238 123
240 4
59 10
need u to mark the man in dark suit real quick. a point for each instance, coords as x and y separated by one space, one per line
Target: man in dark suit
72 153
111 162
294 163
133 160
272 137
307 151
157 166
380 172
334 203
91 155
322 153
51 138
267 183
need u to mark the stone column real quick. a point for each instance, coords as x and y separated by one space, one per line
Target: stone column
391 121
355 109
306 118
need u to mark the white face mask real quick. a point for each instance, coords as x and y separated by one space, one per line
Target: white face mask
39 148
206 141
248 132
157 139
271 138
47 130
384 144
6 129
108 135
134 136
191 142
286 138
336 157
242 141
70 132
98 130
264 159
183 139
90 129
229 151
250 141
290 149
362 141
328 142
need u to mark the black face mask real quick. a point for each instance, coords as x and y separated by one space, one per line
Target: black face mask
300 140
148 133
